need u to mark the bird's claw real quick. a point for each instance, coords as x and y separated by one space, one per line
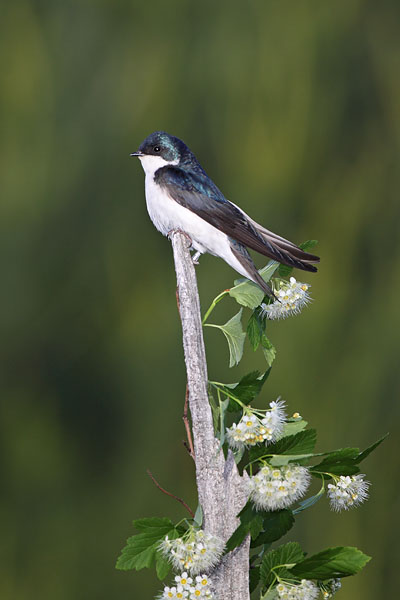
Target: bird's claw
197 254
172 231
195 258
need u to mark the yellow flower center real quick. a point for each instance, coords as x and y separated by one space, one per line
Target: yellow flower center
197 593
204 582
203 551
183 581
249 423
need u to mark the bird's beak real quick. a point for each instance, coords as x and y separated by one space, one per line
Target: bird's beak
138 153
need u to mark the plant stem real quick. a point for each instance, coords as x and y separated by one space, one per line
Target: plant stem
214 304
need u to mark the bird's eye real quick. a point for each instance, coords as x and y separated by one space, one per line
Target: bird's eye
156 148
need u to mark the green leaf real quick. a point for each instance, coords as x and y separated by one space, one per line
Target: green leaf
237 537
255 329
256 526
292 427
215 409
302 442
344 468
137 554
256 452
198 516
339 462
280 560
289 448
280 459
163 566
247 293
268 349
153 524
235 336
341 561
224 404
264 526
247 513
344 461
275 525
140 550
370 449
249 386
309 501
254 578
270 595
308 245
252 518
250 522
284 270
245 390
238 454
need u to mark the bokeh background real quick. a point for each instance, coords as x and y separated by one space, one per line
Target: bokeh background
293 108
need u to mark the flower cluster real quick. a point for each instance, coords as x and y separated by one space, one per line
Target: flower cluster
291 297
329 588
188 588
274 488
256 427
347 492
305 590
196 551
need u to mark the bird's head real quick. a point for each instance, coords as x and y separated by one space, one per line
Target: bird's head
160 149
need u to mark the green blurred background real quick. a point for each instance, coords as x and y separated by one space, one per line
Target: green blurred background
293 108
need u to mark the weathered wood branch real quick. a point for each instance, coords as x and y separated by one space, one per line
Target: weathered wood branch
221 489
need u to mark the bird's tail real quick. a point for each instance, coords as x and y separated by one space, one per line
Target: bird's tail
246 267
284 251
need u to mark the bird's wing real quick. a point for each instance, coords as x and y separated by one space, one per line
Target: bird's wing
203 198
282 243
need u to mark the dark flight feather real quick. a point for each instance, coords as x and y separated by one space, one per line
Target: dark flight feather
204 199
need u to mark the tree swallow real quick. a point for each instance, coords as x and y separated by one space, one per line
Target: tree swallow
180 195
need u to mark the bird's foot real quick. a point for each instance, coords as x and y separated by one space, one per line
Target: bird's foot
195 258
172 231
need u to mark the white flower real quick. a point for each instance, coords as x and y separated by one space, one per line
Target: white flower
174 593
274 488
183 579
185 589
306 590
291 297
201 589
196 551
274 421
347 491
265 426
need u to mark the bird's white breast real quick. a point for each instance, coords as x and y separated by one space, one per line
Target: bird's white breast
167 215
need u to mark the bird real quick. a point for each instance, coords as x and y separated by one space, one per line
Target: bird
181 196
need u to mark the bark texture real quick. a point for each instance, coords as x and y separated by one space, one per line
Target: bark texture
221 489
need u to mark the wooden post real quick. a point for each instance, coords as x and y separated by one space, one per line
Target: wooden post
221 490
